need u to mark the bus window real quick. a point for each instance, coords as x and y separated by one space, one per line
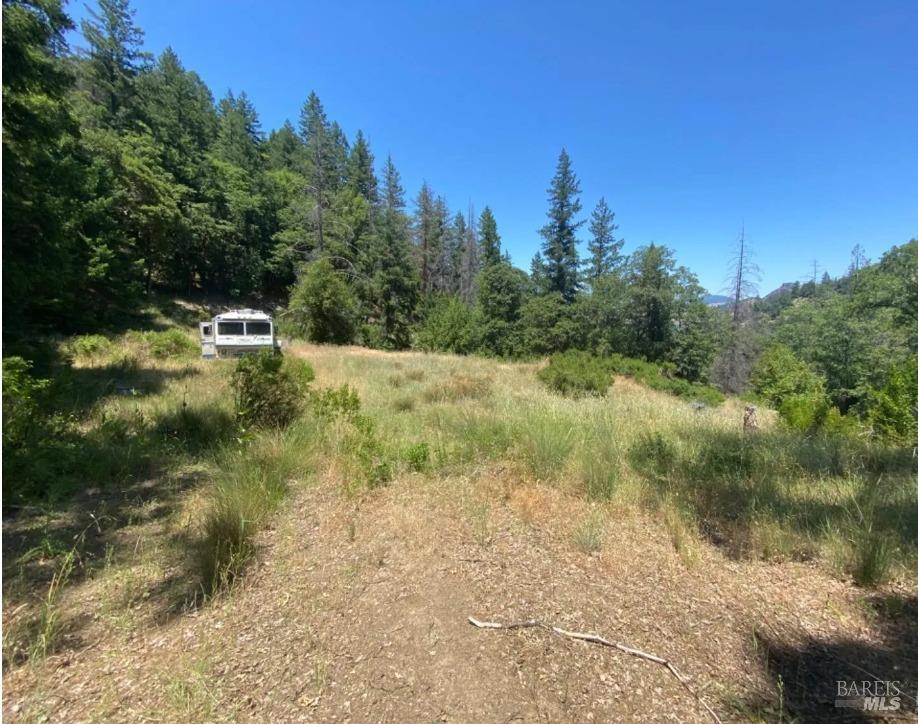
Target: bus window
230 328
207 329
262 328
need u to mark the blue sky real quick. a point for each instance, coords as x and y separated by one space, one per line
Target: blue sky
797 119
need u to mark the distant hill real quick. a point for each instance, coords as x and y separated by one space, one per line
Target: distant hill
716 300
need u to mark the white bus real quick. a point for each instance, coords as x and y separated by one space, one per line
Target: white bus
237 332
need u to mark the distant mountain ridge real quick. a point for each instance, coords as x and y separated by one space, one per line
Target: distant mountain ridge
716 300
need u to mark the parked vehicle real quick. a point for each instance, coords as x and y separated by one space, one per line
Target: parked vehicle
236 333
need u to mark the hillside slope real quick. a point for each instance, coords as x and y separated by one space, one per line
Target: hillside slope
355 605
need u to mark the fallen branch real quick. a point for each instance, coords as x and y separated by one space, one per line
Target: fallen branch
597 639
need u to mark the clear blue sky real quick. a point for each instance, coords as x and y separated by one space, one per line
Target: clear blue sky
799 119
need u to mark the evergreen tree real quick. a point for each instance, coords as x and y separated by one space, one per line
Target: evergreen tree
538 274
427 237
395 279
42 175
469 264
560 233
239 136
604 248
444 264
360 175
322 163
284 150
113 60
489 238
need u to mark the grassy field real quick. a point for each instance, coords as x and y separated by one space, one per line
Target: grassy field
166 513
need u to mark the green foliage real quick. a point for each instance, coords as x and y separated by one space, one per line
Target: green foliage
576 374
662 377
779 374
166 344
449 326
501 292
266 393
22 395
322 307
332 402
893 411
549 325
88 346
417 456
559 235
368 462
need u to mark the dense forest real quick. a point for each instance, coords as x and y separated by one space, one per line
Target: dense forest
123 177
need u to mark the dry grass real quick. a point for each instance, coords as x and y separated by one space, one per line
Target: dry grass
497 498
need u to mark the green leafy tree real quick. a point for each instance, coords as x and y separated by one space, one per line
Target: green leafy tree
780 375
560 233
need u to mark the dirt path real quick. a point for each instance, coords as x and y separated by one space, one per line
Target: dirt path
356 610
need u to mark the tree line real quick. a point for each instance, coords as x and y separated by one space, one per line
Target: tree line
122 175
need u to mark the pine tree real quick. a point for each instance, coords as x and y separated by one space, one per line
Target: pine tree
321 163
469 265
113 60
239 136
457 245
427 237
395 279
489 238
443 271
538 274
604 248
560 233
285 150
360 174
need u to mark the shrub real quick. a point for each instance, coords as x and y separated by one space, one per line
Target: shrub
662 377
89 346
449 326
417 456
322 306
266 393
778 374
893 412
169 343
575 374
332 402
367 460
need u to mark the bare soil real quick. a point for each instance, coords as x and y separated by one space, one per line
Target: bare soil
355 609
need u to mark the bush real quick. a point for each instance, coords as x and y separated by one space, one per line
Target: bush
576 374
322 307
368 463
169 343
417 456
332 402
779 374
89 346
449 326
662 377
266 394
893 411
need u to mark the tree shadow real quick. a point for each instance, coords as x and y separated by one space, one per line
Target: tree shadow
824 679
734 483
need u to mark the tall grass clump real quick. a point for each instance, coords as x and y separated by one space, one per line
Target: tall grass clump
576 374
600 470
545 442
250 481
164 344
